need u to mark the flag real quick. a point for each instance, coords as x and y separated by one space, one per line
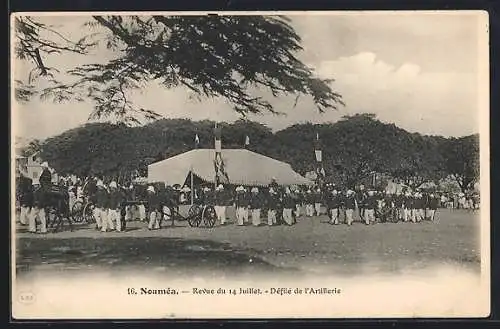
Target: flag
221 176
220 169
317 149
196 141
247 141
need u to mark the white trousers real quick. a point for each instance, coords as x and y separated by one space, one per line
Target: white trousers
221 213
255 217
406 214
369 216
297 210
419 214
271 217
241 215
167 214
154 220
309 210
106 220
25 215
97 216
142 212
114 217
348 216
287 216
334 213
37 214
317 208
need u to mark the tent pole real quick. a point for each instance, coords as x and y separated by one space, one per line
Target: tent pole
192 186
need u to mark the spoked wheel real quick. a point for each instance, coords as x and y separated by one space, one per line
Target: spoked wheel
54 219
88 213
51 217
194 215
77 212
209 216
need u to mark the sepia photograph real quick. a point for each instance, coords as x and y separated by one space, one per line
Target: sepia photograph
240 165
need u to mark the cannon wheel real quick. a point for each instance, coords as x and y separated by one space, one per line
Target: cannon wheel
88 213
194 216
77 212
51 217
209 216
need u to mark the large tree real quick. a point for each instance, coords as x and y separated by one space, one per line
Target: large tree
214 56
462 161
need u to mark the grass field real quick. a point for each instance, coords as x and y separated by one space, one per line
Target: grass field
310 246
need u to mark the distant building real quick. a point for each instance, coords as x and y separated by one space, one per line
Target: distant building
32 164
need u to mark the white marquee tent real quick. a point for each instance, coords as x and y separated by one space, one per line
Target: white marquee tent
243 167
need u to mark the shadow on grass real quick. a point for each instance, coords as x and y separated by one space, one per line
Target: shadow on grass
174 254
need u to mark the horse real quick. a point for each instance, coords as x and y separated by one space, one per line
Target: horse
55 201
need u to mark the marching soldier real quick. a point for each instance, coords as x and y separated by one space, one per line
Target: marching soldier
298 196
170 205
371 204
398 206
255 205
432 205
100 200
317 201
288 206
241 203
334 204
114 208
309 203
220 204
408 205
350 205
153 208
419 204
272 205
130 209
361 196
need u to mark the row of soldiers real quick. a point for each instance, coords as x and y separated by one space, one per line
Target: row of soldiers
286 203
114 204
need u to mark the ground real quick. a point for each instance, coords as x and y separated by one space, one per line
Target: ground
310 246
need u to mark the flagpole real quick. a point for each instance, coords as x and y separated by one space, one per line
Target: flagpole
192 185
215 155
196 142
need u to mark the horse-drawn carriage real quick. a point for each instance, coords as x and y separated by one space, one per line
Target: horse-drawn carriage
55 201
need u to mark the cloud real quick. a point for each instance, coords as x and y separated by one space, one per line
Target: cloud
414 99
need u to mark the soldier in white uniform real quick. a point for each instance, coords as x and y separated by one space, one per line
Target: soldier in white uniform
309 204
241 204
255 205
114 207
272 204
154 209
220 206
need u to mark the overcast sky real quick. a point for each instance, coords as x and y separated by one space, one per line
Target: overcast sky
419 71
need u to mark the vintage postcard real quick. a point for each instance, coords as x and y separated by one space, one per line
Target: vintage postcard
241 165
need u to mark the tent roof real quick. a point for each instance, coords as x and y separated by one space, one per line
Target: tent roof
242 166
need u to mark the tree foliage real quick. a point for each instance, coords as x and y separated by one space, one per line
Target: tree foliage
213 56
353 148
462 160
